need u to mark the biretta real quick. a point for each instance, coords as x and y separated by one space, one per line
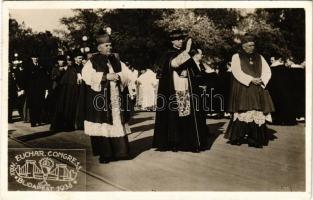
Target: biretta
103 37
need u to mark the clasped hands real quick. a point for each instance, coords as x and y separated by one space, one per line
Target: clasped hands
112 77
257 81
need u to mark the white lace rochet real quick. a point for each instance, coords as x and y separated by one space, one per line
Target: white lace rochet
257 117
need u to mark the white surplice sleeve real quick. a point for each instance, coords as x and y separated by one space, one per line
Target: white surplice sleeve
266 72
91 77
238 73
180 59
126 77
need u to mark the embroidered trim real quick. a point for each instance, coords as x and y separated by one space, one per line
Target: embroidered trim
257 116
106 130
183 101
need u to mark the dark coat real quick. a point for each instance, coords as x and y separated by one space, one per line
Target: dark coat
37 81
67 93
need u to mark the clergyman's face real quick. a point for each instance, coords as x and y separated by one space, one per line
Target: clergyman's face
105 48
61 62
198 56
35 60
248 47
78 59
178 43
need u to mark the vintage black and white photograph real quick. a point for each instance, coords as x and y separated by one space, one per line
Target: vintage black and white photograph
150 99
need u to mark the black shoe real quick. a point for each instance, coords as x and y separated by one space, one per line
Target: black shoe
196 151
255 145
235 142
252 143
33 125
104 160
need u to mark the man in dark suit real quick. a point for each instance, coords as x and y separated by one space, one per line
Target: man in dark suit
37 86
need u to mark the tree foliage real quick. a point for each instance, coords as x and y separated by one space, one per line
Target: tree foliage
140 36
210 35
291 26
270 41
24 41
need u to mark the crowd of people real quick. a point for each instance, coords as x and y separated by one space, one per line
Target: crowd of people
99 95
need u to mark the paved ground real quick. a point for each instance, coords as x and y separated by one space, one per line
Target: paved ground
280 166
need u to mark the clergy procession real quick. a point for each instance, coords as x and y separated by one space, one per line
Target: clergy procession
100 93
187 99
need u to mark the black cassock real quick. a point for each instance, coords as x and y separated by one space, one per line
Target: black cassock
172 132
37 83
281 88
12 95
67 92
298 90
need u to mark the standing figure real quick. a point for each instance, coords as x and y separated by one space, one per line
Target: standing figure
250 102
297 73
132 87
13 89
67 96
180 120
280 87
37 80
105 106
57 73
147 83
19 74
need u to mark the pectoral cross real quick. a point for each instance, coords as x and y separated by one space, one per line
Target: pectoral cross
250 61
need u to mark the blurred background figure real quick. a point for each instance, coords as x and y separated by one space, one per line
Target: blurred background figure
37 85
17 81
211 78
147 83
280 88
298 87
12 96
64 116
132 86
225 77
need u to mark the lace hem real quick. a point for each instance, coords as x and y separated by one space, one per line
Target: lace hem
257 117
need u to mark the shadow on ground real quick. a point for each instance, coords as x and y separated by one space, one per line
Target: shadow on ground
215 130
37 135
139 146
142 128
139 120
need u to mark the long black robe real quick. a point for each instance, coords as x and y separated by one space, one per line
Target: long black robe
214 104
298 90
280 88
37 83
172 132
67 92
12 95
225 77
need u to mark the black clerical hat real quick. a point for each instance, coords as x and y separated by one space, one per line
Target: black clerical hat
178 34
103 36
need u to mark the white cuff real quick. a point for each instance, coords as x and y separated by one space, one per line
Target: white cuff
180 59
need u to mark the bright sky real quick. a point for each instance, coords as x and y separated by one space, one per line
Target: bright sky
47 19
41 20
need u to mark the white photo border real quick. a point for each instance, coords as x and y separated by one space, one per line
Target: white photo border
6 6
